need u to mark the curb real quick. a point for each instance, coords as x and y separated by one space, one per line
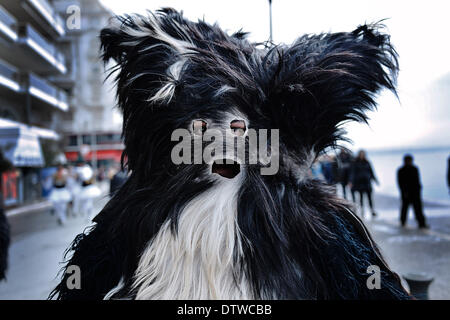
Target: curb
42 205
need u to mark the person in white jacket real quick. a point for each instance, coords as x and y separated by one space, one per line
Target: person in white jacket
59 195
89 191
74 187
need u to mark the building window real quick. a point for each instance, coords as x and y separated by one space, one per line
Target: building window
5 113
110 138
87 139
73 141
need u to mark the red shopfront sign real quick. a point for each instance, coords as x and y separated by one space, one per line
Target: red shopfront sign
114 155
10 187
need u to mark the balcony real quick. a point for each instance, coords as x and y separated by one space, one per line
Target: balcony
7 25
9 77
47 93
47 13
33 42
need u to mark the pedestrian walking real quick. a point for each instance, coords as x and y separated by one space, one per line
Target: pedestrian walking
448 174
60 196
361 177
117 181
344 163
329 169
5 165
89 191
408 179
74 187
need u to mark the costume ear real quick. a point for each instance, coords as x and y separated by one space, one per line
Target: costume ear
150 53
325 80
113 41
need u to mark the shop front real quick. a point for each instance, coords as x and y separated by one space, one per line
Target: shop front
102 150
21 183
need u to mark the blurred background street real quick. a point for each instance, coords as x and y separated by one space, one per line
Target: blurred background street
36 251
60 131
38 244
410 250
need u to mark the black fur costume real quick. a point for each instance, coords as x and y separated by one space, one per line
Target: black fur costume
302 242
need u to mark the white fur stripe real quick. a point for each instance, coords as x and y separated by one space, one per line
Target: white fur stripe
113 291
167 91
197 261
180 46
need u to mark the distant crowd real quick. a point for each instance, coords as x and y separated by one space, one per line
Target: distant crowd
74 188
346 172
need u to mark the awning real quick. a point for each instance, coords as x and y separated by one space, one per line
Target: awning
21 146
40 132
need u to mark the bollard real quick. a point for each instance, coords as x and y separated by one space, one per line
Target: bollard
418 284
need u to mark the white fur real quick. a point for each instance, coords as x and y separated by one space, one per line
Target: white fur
223 89
198 261
114 290
299 168
180 46
142 31
164 94
167 91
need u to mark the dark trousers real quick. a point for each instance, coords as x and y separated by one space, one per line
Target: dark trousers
4 243
414 200
361 198
344 189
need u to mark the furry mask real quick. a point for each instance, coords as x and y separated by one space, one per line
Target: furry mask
214 231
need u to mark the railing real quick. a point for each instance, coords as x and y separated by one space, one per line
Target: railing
8 71
6 18
59 56
59 21
42 85
52 94
9 76
26 31
49 14
8 24
63 99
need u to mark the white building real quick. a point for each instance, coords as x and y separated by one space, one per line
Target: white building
32 106
92 119
53 94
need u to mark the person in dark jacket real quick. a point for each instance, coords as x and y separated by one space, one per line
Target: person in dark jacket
448 174
329 169
344 161
361 177
5 165
117 181
408 180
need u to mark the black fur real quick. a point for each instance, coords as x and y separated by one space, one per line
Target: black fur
303 242
5 165
4 243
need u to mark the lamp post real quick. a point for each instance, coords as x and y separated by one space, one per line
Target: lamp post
270 21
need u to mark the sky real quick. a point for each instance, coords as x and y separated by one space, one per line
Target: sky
419 30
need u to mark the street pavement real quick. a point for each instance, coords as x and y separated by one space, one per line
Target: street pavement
38 244
36 252
410 250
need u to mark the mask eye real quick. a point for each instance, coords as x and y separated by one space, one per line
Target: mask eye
199 127
238 127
